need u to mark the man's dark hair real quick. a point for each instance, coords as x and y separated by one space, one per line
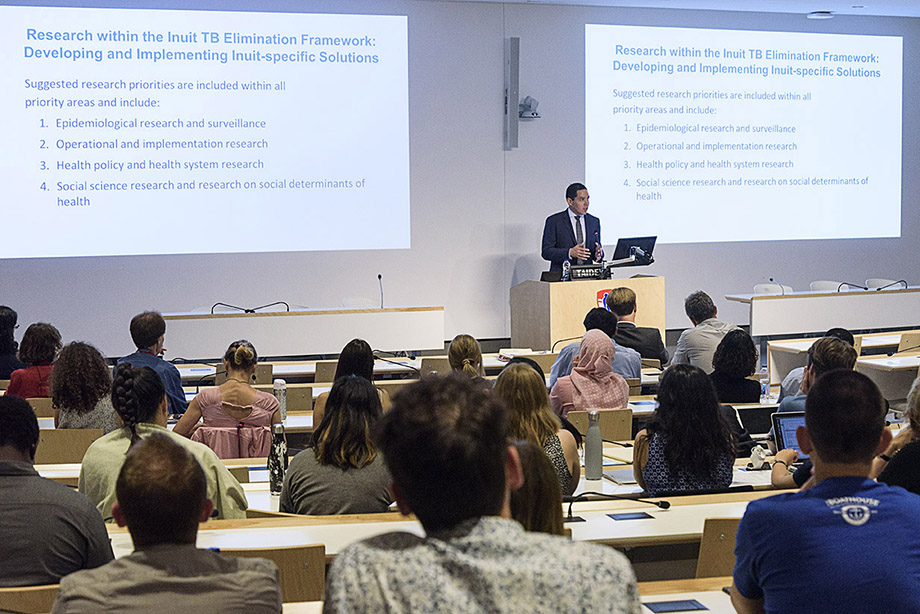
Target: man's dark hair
18 425
699 307
845 415
161 489
444 443
842 334
830 353
8 318
602 320
621 301
147 328
40 344
572 191
736 355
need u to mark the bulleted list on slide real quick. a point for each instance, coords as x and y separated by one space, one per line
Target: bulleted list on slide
703 135
214 131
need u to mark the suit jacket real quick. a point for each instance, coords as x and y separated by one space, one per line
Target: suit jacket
646 341
559 238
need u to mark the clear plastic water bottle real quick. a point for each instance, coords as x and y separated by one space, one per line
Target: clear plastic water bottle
764 386
594 448
280 389
277 460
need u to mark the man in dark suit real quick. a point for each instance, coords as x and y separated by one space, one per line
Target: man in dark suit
573 233
645 340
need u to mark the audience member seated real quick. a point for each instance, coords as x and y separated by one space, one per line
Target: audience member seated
697 345
899 464
537 505
162 496
9 361
148 331
357 358
46 529
446 445
343 473
644 339
236 418
40 344
464 354
533 364
81 389
531 419
792 383
734 360
687 446
845 545
139 399
626 362
592 384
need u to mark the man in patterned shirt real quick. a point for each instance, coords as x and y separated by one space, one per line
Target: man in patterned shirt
445 443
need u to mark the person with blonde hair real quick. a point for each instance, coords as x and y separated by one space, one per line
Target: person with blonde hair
592 384
465 354
236 418
530 419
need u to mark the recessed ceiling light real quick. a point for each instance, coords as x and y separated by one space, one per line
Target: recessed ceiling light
820 15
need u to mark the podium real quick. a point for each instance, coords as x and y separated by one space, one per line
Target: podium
545 312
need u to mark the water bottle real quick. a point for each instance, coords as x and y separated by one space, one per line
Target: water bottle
566 270
764 386
277 460
280 390
594 448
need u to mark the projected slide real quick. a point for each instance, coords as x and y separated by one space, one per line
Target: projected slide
723 135
170 132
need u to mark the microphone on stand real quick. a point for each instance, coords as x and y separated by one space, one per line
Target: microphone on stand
913 347
782 289
380 281
204 377
894 283
553 349
846 283
581 497
399 364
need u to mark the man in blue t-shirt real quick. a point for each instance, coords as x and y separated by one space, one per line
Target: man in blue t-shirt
148 330
844 545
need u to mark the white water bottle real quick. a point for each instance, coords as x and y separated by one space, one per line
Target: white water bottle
594 448
280 389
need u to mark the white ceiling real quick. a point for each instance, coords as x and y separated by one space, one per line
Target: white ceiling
890 8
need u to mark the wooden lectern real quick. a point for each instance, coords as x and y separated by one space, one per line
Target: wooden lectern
545 312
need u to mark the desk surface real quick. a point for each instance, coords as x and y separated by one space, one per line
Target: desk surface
901 362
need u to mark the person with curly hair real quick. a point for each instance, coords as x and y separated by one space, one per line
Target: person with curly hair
9 361
81 389
40 344
735 359
687 446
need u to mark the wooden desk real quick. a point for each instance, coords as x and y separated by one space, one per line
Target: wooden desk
707 591
314 331
807 312
543 313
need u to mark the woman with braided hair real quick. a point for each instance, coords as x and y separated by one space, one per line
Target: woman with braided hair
139 399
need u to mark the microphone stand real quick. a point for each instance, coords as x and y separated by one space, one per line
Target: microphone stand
663 505
894 283
913 347
553 349
846 283
398 364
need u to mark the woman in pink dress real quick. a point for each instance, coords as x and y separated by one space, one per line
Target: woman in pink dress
236 418
592 384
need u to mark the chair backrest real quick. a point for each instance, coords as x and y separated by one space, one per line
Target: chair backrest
717 548
828 286
240 472
879 282
909 342
616 424
28 599
299 397
263 375
434 365
635 386
325 371
772 288
544 359
64 445
857 344
42 407
302 569
651 363
4 384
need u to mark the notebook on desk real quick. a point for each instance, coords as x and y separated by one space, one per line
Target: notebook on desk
624 477
784 426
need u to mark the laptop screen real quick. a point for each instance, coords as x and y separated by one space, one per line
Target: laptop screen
784 426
